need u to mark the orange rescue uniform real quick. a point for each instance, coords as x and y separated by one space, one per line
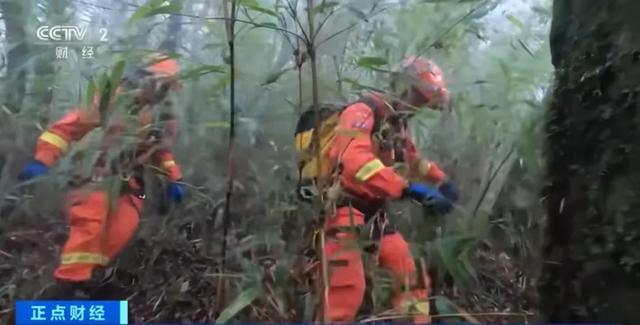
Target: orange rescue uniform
366 173
99 230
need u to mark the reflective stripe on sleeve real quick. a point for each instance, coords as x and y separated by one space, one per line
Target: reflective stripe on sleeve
55 140
369 169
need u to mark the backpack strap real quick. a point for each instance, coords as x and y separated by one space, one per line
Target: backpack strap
376 107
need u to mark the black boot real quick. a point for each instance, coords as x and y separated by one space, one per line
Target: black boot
65 290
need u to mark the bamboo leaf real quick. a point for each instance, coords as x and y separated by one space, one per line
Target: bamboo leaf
91 91
217 124
371 62
325 6
525 47
255 6
359 85
443 305
515 21
201 70
451 251
541 10
114 188
273 77
105 95
268 25
358 13
116 73
244 299
222 82
484 10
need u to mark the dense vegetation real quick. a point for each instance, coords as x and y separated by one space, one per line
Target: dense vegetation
282 56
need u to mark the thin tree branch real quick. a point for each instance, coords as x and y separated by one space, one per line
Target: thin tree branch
324 21
294 14
448 30
230 28
347 28
258 25
491 179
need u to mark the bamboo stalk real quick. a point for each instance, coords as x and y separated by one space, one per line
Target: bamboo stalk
230 29
311 51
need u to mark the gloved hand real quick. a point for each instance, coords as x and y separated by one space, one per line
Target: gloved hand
449 190
175 192
429 197
32 170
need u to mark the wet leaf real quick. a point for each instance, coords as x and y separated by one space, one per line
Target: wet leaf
515 21
91 91
325 6
358 13
255 6
444 305
525 47
371 62
275 76
244 299
268 25
447 307
201 70
541 10
217 124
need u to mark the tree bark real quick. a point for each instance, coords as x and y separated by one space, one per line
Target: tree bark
592 246
13 12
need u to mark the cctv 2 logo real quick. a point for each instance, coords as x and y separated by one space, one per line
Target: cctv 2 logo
66 33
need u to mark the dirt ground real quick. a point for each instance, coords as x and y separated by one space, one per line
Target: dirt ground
169 279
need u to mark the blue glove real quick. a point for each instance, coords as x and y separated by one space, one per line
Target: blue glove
32 170
449 190
175 192
429 197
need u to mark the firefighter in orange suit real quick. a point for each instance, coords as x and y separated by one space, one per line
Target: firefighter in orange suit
100 229
364 155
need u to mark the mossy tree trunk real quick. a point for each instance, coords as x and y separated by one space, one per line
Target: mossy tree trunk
592 246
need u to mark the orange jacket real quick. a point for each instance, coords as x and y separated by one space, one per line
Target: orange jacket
72 127
365 169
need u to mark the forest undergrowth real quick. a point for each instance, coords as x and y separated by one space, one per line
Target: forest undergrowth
169 278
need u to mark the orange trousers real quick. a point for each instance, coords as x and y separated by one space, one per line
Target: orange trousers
347 279
96 235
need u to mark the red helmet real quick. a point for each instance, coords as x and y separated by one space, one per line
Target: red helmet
163 68
427 78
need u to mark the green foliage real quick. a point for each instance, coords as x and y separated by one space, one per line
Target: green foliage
244 299
154 7
201 70
496 64
371 62
453 254
325 6
255 6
